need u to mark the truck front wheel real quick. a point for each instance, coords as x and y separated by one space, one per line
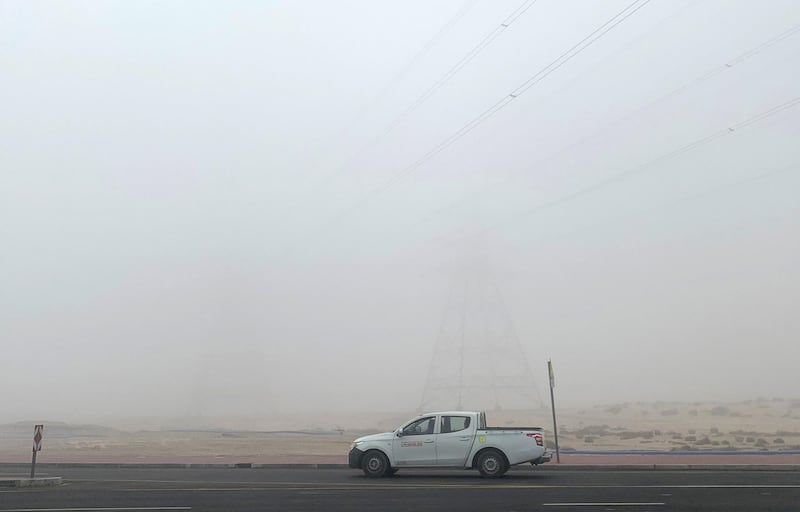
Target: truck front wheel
375 464
491 464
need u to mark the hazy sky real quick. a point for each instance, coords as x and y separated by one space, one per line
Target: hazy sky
269 206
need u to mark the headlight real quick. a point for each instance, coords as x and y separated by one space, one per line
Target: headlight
355 444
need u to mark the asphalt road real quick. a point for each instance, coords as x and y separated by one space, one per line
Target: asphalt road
300 489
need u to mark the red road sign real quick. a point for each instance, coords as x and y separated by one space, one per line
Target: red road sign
37 438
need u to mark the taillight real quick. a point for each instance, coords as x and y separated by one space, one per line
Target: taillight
537 437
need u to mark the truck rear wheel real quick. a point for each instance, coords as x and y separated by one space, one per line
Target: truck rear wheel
491 464
375 464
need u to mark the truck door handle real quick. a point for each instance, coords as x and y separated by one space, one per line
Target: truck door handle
429 440
465 439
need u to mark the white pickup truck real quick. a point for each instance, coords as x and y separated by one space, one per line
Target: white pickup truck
454 439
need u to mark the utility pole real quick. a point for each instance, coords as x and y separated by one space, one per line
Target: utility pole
553 405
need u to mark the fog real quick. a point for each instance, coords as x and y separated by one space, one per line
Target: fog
256 208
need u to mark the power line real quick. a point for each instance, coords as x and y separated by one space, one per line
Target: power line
458 66
703 141
605 128
426 48
540 75
521 89
786 170
494 34
697 195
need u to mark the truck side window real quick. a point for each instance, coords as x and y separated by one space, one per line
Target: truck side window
420 427
454 423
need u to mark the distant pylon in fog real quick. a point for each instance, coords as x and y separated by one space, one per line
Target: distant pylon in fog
478 362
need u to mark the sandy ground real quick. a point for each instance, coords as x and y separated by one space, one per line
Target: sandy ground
763 425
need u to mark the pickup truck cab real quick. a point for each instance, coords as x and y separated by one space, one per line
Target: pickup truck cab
452 439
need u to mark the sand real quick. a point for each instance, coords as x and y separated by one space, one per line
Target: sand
764 425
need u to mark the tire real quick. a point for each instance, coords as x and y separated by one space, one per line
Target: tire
375 464
491 464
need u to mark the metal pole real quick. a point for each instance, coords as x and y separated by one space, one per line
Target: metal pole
553 405
33 463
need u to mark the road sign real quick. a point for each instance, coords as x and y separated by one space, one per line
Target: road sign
37 438
37 446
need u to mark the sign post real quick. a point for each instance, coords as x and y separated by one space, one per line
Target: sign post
37 446
553 405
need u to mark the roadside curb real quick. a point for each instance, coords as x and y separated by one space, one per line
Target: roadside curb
670 467
31 482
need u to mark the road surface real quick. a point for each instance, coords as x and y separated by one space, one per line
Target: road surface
304 489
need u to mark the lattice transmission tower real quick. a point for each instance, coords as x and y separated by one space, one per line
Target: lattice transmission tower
478 361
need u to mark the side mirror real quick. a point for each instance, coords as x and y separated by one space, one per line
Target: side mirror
399 433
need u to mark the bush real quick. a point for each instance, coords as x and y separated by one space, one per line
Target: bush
669 412
593 430
647 434
720 411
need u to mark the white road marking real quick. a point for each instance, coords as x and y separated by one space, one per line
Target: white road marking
655 504
93 509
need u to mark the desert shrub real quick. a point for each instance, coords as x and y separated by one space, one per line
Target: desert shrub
589 439
750 439
715 443
677 436
593 430
692 431
762 442
720 411
739 439
693 412
714 430
646 434
704 440
690 438
669 412
616 409
778 440
726 443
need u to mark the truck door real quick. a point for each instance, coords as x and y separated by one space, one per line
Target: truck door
454 441
416 445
